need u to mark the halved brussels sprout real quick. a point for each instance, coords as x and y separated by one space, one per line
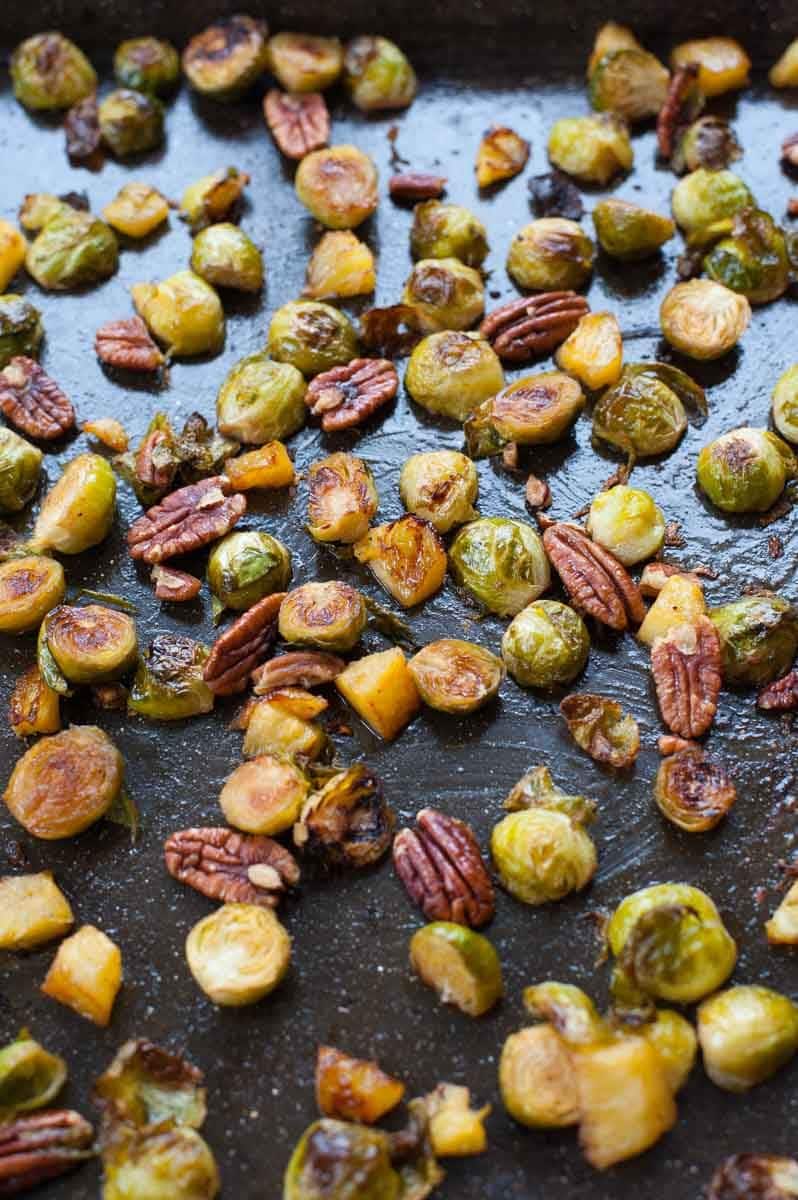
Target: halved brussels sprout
304 63
591 149
537 1079
377 74
722 62
746 1034
183 312
338 1159
12 252
212 198
330 616
704 319
147 64
311 336
643 413
693 791
73 250
340 266
49 71
224 256
34 708
406 557
130 122
282 725
707 200
452 372
37 208
29 588
441 487
460 964
784 72
169 683
445 294
136 210
542 855
785 404
88 644
627 522
501 562
709 142
743 1175
30 1077
20 468
245 566
338 186
629 232
546 644
342 498
453 676
745 470
629 82
532 411
347 822
261 400
145 1085
443 230
238 954
227 57
550 254
593 353
21 329
157 1161
753 260
264 796
758 637
78 511
567 1008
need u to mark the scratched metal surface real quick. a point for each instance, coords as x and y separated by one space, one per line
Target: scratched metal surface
350 983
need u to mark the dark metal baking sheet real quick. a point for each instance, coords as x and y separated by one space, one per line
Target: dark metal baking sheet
350 983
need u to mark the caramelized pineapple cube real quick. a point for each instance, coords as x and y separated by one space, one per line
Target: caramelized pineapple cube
680 602
354 1089
35 707
381 690
12 253
267 467
455 1129
33 910
86 974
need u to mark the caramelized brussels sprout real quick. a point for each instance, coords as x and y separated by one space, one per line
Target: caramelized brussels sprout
238 954
34 911
441 487
264 796
609 38
65 783
458 677
451 373
643 413
627 522
567 1008
537 1079
82 645
746 1034
261 400
338 186
354 1088
445 294
501 562
147 64
245 566
550 254
21 329
212 198
753 260
382 691
722 62
224 256
629 232
12 253
347 822
342 499
338 1158
169 684
145 1085
460 964
693 791
78 511
593 353
745 470
20 468
48 71
704 319
377 74
546 644
707 200
340 266
304 63
443 230
785 404
745 1175
227 57
29 587
329 616
183 312
591 149
784 72
34 707
758 637
136 210
282 725
73 250
629 82
130 122
541 855
157 1161
708 142
311 336
532 411
30 1077
406 557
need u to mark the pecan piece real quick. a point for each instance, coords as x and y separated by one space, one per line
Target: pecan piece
127 345
33 401
789 150
190 518
41 1146
537 492
596 582
82 129
602 729
174 585
411 186
233 867
679 108
297 668
792 206
686 665
780 696
533 325
442 868
298 123
668 744
348 395
242 647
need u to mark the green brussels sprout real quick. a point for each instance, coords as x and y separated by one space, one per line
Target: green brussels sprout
627 522
628 232
546 644
169 683
329 616
30 1077
73 250
461 965
145 1084
501 562
311 336
339 1159
703 319
445 294
38 208
753 260
441 487
130 122
78 511
746 1034
377 75
224 256
261 400
643 413
591 149
227 57
157 1161
675 1042
183 312
785 404
451 373
245 566
532 411
83 645
48 71
542 854
705 201
448 231
550 254
21 330
338 186
629 82
303 63
745 470
758 638
210 199
147 64
709 142
20 468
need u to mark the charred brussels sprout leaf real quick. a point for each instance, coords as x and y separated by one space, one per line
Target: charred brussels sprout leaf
73 250
758 637
377 74
537 789
311 336
169 684
145 1085
21 329
602 729
550 254
245 566
348 822
451 373
745 470
704 202
591 149
48 71
709 142
628 232
501 562
546 644
746 1034
629 82
20 468
130 122
151 1163
88 644
643 413
78 511
338 186
30 1077
753 260
227 57
443 230
328 616
224 256
337 1159
261 400
441 487
627 522
445 294
183 312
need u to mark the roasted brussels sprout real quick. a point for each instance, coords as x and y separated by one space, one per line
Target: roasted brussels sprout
785 404
550 254
448 231
12 253
338 186
212 198
643 413
183 312
537 1079
629 82
601 728
501 562
311 336
304 63
377 74
745 470
78 511
705 201
546 644
227 57
758 637
246 566
693 791
708 142
148 65
21 329
261 400
157 1161
338 1158
34 911
37 208
88 644
264 796
342 499
73 250
441 487
34 706
20 468
452 372
29 587
340 266
381 689
224 256
676 1044
169 684
445 294
282 725
609 38
130 122
136 210
542 854
30 1077
753 260
460 964
627 522
704 319
355 1089
537 789
591 149
453 676
238 954
406 557
145 1085
48 71
746 1034
629 232
746 1175
532 411
784 72
722 62
329 616
593 353
346 823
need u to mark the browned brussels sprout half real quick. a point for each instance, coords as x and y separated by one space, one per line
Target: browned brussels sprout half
377 74
145 1084
148 65
130 122
261 400
329 616
501 562
628 232
311 336
304 63
342 499
20 467
753 260
29 587
338 186
73 250
532 411
157 1161
348 822
709 142
758 637
454 676
546 644
448 231
48 71
227 57
82 645
21 329
745 470
550 254
643 413
78 511
169 684
224 256
630 82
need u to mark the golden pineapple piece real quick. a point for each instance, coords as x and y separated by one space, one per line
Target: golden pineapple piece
782 928
455 1129
723 64
13 249
35 707
275 727
86 974
340 266
381 690
110 432
137 210
354 1089
784 73
406 557
593 353
33 910
267 467
680 602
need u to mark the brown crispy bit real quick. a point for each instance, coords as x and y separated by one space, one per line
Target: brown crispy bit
233 867
533 325
441 866
686 665
510 456
156 461
108 431
174 585
789 150
40 1146
82 128
693 790
348 395
34 402
674 538
537 492
109 697
792 206
190 518
780 509
297 668
555 195
412 186
749 1177
669 744
780 696
677 111
775 546
242 647
298 123
127 345
391 332
602 729
690 262
596 582
619 476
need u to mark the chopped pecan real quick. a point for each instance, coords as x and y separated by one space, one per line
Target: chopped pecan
686 665
33 401
391 331
537 492
348 395
41 1146
668 744
775 546
127 345
233 867
679 108
242 647
110 697
674 538
298 123
190 518
780 696
602 728
411 186
533 325
656 574
789 150
555 195
297 668
442 868
82 129
596 582
174 585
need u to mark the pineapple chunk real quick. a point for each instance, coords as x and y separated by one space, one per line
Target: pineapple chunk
381 690
274 727
625 1102
354 1089
406 557
86 974
33 910
137 210
680 602
12 253
267 467
782 928
455 1129
35 707
593 353
340 266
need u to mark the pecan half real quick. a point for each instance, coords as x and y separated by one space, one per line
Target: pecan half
596 582
82 129
242 647
230 866
678 109
555 195
298 123
780 696
686 665
442 869
297 668
602 729
190 518
410 186
656 574
174 585
127 345
533 325
348 395
42 1146
537 492
33 401
789 150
